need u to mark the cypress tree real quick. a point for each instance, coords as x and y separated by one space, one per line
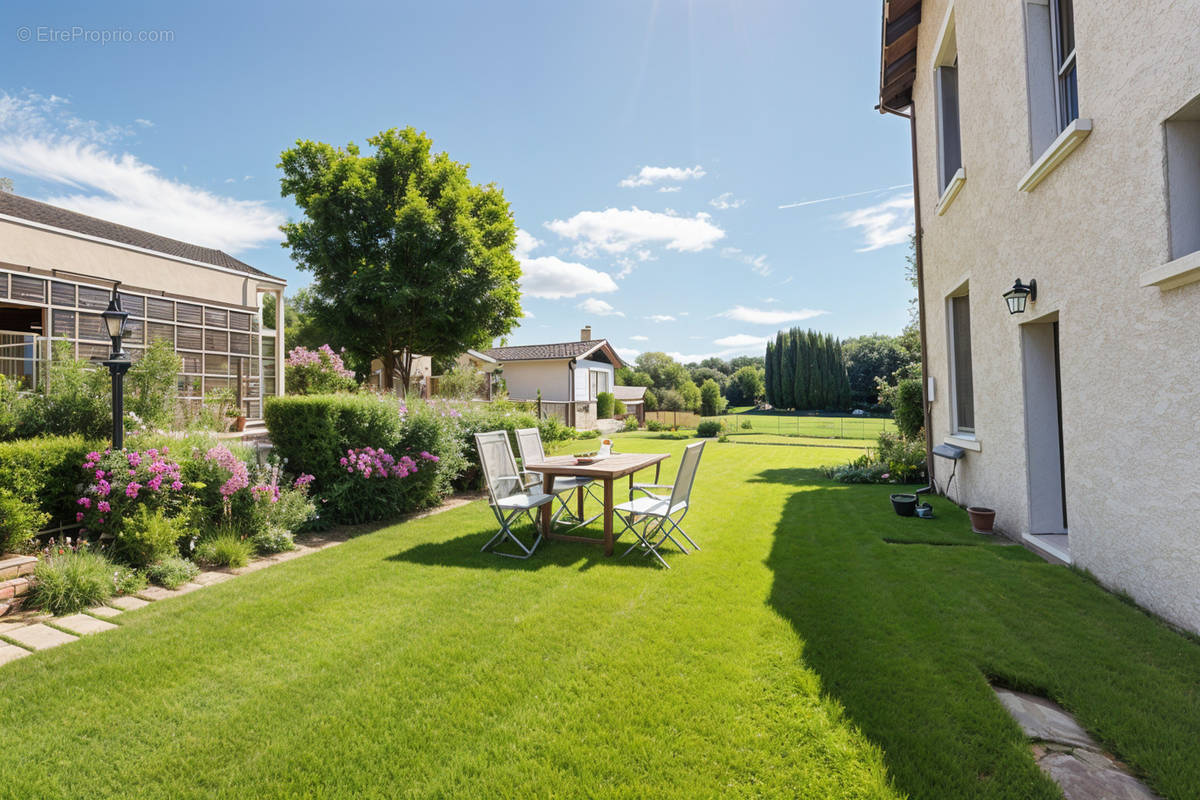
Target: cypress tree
769 377
816 379
800 376
787 371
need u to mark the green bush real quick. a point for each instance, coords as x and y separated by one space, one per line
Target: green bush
150 385
72 580
650 400
555 430
273 540
631 424
655 425
709 428
224 549
39 483
910 418
127 580
74 399
711 401
604 405
172 572
619 408
20 519
904 457
147 536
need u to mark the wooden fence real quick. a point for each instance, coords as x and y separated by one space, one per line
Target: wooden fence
679 419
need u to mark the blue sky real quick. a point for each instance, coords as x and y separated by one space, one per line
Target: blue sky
653 151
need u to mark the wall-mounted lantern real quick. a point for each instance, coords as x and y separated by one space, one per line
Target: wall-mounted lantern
1019 294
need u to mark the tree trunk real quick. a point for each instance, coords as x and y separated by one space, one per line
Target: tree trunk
387 369
405 367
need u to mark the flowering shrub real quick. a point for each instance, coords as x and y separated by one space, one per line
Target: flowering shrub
233 467
317 371
377 484
279 510
117 483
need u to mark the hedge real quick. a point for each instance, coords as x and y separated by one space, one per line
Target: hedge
39 476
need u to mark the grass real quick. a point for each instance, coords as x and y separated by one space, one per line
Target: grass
798 655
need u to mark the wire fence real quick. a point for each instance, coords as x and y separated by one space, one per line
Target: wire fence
817 427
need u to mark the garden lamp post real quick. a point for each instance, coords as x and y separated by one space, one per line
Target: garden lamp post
118 364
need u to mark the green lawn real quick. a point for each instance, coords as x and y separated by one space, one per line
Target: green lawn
804 652
797 424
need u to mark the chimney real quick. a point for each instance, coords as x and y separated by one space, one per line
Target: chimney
585 335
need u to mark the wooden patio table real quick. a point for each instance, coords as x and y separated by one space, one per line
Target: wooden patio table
607 471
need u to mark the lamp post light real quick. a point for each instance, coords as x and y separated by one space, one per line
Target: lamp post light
118 364
1019 294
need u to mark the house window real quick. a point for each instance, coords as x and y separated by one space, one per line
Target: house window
945 82
1182 136
1062 22
1050 69
599 382
961 379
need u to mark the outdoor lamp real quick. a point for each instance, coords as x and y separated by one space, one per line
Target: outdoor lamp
1019 294
118 364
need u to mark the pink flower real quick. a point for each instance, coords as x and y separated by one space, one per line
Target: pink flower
86 502
103 507
79 516
131 491
176 485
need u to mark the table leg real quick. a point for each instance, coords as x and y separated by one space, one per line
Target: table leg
579 499
547 509
608 516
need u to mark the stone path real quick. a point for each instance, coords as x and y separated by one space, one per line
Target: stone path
1067 754
27 632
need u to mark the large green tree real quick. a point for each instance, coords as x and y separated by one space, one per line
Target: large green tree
407 254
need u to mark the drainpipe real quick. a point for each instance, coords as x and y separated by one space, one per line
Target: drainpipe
911 116
571 392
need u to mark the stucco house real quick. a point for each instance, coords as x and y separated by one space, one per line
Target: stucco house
568 375
58 269
1057 142
634 400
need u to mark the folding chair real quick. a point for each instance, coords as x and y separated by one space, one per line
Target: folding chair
508 495
660 515
529 442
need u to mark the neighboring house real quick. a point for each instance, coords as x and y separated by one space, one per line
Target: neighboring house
57 273
1062 145
569 375
634 399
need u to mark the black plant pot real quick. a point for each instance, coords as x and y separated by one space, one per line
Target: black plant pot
905 504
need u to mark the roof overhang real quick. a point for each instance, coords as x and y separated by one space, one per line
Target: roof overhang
481 356
898 60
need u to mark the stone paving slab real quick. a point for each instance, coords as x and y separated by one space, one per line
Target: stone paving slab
159 593
1043 720
209 578
10 652
39 636
11 625
1084 775
83 625
104 611
128 602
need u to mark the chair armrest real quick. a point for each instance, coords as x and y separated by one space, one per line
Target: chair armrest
646 487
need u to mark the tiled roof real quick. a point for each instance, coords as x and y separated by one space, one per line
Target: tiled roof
628 393
45 214
536 352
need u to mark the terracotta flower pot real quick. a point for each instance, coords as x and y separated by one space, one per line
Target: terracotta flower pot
982 519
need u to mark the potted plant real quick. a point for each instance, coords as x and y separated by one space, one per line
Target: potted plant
982 519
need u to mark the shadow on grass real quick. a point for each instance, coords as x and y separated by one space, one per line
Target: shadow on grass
465 551
906 638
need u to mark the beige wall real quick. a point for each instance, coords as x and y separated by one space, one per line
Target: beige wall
525 378
1129 354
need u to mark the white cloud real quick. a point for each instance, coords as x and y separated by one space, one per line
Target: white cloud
660 318
885 224
647 176
767 317
600 308
742 340
551 278
665 189
771 300
628 353
41 139
640 338
231 180
757 263
145 123
725 201
618 231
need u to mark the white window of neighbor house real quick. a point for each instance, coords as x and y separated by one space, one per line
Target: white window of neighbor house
599 380
1182 137
962 390
1050 67
946 97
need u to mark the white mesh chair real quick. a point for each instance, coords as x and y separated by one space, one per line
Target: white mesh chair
529 442
660 515
508 495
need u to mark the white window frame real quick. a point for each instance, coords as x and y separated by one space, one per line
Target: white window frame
951 352
1063 64
594 376
951 175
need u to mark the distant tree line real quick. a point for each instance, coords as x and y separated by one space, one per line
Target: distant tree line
806 370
